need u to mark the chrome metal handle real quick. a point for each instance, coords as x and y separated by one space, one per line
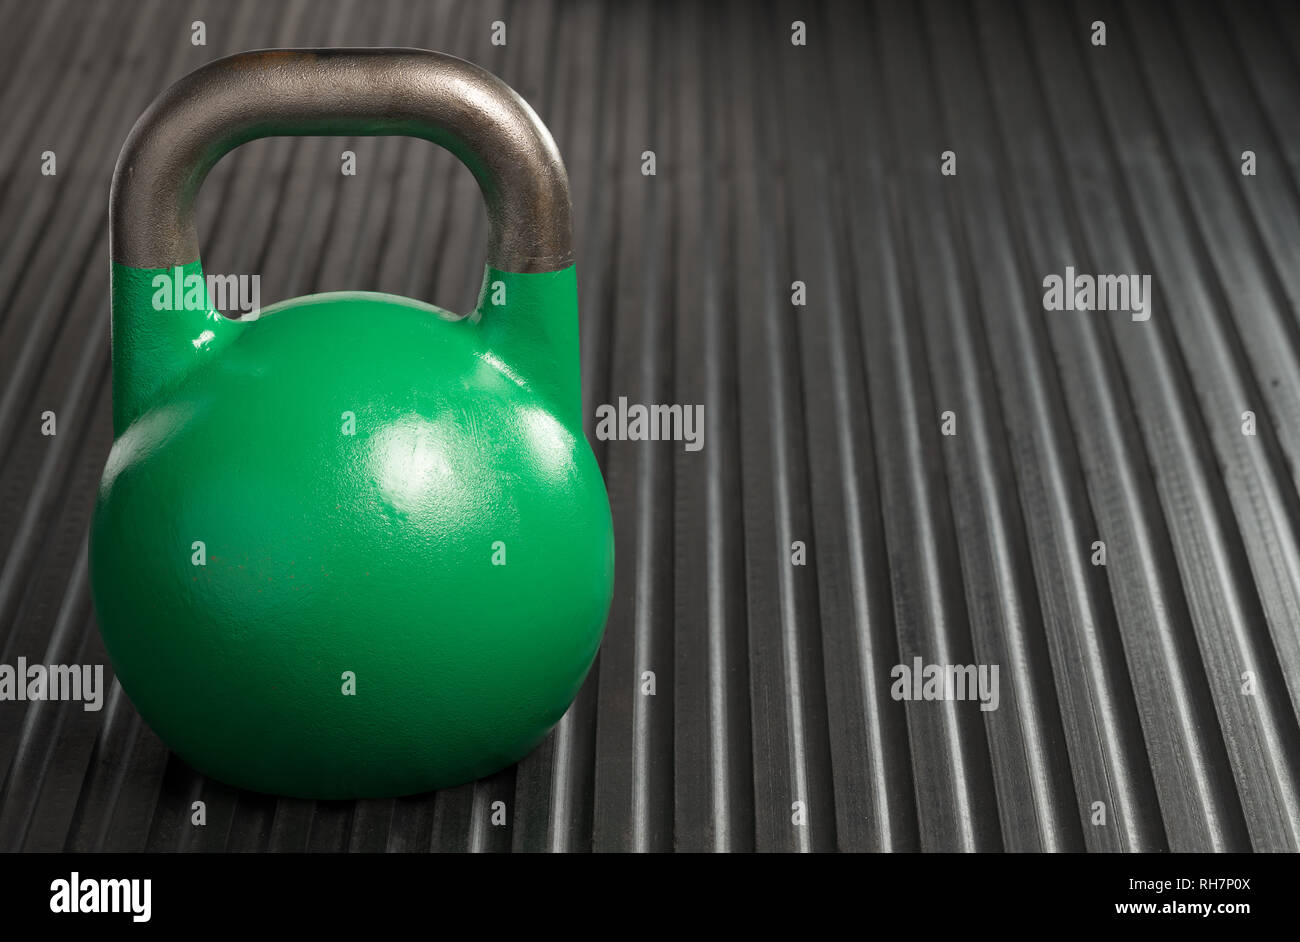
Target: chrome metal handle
271 92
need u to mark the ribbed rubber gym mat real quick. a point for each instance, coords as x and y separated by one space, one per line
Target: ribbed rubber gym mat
953 458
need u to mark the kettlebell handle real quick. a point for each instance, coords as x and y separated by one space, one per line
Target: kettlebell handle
273 92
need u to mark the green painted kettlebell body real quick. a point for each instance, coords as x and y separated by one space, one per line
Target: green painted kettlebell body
357 546
406 552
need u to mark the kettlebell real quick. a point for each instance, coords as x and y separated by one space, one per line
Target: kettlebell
357 546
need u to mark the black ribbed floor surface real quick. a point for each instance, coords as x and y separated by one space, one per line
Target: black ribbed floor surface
1163 685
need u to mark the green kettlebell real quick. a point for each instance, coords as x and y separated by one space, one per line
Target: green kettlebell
358 546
